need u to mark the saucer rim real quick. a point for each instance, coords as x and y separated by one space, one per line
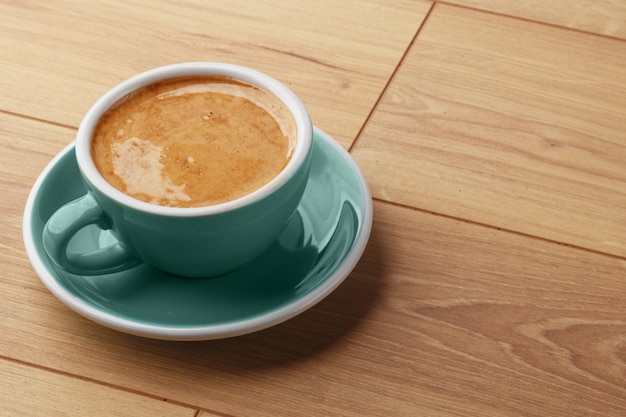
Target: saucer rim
209 332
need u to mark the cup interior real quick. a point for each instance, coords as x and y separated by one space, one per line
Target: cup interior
291 102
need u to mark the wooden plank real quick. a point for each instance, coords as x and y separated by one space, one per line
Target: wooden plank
606 17
336 56
26 391
204 413
508 123
441 317
27 147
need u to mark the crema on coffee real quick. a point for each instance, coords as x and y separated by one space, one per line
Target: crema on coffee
193 141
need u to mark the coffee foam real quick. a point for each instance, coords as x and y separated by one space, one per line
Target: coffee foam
193 141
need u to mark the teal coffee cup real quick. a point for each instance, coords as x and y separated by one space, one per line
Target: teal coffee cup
195 242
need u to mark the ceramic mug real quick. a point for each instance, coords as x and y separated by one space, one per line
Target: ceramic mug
190 242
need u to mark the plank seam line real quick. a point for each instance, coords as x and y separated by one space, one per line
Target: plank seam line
37 119
391 77
500 229
529 20
108 385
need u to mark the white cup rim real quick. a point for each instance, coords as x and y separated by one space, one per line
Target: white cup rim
283 93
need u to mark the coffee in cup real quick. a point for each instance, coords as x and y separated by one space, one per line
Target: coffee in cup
193 141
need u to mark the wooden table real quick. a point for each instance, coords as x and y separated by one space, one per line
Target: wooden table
493 137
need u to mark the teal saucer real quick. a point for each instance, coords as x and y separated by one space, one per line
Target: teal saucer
317 250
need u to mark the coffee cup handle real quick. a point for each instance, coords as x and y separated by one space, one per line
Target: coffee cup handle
66 222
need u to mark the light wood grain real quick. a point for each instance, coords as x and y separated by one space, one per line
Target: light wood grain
27 147
606 17
26 391
508 123
204 413
441 317
497 140
333 55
